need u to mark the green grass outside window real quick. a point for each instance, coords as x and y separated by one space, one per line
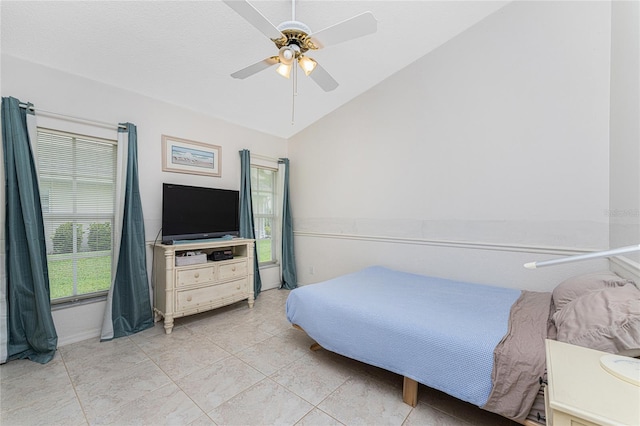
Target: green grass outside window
93 275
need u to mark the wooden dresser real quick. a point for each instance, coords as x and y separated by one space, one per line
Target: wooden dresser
187 290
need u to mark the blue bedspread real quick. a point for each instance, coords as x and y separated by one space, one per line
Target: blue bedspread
439 332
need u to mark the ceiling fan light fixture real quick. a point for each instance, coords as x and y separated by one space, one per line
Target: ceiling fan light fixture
284 70
307 64
286 55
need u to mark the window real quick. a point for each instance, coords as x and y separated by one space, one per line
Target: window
263 195
77 177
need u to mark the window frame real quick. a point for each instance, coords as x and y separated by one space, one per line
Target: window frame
274 217
77 217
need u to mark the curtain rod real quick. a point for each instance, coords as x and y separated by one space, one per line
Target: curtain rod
73 118
606 253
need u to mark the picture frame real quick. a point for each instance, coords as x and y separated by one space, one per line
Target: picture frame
187 156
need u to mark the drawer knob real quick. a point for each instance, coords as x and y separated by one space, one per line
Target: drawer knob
233 269
188 298
197 274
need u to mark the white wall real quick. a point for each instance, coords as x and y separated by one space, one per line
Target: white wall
625 126
64 93
497 141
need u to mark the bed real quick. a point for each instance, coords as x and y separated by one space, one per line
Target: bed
481 344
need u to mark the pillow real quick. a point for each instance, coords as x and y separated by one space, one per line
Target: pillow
607 319
574 287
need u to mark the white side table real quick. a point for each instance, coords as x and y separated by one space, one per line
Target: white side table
581 392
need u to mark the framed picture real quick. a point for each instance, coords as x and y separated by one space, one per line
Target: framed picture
185 156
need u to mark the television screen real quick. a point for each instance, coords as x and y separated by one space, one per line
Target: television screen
191 212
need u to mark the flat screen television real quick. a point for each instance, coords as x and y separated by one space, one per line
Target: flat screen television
191 212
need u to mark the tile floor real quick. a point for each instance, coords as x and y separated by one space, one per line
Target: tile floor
231 366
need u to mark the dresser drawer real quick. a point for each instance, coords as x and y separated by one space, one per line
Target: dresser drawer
195 276
213 294
232 270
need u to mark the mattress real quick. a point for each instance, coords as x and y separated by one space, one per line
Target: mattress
439 332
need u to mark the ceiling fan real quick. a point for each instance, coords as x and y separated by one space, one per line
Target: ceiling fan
294 39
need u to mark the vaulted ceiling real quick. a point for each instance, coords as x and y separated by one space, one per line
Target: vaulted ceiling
183 52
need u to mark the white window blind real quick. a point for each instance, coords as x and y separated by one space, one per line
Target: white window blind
77 192
263 196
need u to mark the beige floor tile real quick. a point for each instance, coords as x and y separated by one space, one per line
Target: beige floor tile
237 338
40 387
265 403
219 382
165 406
272 323
312 377
55 410
18 367
364 400
189 358
93 349
424 414
318 418
42 394
220 319
272 354
157 329
89 360
460 409
160 342
37 394
203 420
119 388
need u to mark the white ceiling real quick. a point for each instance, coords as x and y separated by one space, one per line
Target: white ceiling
182 52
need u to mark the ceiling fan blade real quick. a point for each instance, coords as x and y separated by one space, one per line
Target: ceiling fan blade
255 68
254 17
358 26
323 79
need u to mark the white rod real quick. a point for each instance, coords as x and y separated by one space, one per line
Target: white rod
606 253
72 118
293 94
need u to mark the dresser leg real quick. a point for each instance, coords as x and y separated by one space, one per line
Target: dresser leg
168 324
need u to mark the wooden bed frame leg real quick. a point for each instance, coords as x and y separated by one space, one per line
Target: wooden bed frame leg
315 347
410 392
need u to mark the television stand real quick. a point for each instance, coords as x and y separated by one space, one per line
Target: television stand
186 290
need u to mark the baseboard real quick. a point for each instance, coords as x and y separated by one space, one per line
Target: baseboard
79 337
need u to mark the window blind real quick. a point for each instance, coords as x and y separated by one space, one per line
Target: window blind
77 191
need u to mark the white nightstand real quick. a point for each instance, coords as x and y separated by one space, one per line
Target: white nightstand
581 392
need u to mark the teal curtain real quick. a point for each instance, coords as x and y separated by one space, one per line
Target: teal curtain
29 329
246 214
128 308
289 275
